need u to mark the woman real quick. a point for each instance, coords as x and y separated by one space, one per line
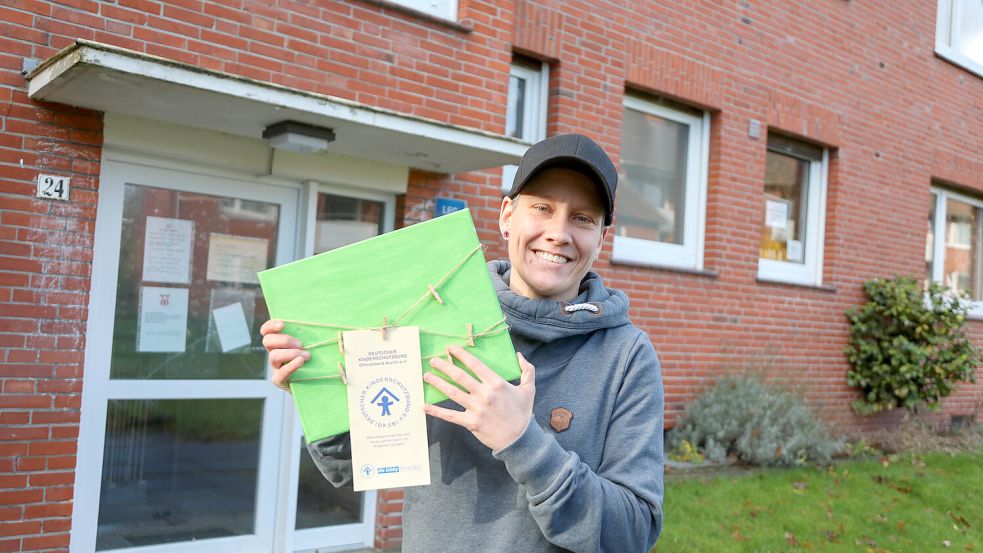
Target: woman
571 457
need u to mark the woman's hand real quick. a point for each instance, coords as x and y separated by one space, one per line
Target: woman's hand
286 355
495 411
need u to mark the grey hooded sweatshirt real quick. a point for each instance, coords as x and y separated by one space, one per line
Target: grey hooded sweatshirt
594 484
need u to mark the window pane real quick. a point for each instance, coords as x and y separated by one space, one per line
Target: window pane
342 220
786 188
962 248
969 29
930 242
652 195
178 470
188 302
516 110
319 503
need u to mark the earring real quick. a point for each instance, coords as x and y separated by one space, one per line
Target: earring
505 234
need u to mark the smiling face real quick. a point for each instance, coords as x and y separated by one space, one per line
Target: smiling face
555 228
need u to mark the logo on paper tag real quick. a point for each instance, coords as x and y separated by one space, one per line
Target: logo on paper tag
385 408
382 407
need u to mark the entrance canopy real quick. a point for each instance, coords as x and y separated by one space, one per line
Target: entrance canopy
106 78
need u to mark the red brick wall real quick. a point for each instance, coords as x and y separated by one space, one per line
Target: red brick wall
858 77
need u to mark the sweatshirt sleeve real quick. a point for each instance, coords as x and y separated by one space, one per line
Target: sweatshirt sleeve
333 457
618 508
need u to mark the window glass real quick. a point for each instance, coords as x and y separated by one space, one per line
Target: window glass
178 470
784 227
525 113
652 196
515 112
342 220
968 29
319 503
188 303
962 248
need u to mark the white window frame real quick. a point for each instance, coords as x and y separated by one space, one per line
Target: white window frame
277 490
809 273
689 254
946 43
534 110
442 9
99 388
942 195
344 537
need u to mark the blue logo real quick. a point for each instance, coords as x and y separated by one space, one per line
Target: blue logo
367 471
382 399
385 402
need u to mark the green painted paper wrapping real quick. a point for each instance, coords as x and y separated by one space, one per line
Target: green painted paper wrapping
382 278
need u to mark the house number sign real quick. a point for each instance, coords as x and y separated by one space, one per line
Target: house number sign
53 187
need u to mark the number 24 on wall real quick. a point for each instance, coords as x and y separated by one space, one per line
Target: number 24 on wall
53 187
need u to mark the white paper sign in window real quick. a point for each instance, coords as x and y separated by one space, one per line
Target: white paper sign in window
163 324
232 330
167 250
236 258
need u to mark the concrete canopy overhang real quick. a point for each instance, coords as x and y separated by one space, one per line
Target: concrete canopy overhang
106 78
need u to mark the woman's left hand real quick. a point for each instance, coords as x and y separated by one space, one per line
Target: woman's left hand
495 411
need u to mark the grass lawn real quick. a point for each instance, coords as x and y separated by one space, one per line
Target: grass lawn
904 503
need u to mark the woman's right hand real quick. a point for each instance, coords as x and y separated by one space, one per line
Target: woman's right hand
286 353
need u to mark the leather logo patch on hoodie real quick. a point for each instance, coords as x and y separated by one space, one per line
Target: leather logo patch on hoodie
560 418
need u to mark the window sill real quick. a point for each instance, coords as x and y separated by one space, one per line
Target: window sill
951 55
818 287
709 273
463 26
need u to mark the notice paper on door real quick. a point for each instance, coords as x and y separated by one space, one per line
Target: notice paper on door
230 322
167 250
163 323
385 408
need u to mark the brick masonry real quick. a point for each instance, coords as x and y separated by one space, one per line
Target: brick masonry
860 78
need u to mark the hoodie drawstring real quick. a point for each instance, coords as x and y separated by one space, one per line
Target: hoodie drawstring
580 307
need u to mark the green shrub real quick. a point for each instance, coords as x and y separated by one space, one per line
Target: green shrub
908 346
760 424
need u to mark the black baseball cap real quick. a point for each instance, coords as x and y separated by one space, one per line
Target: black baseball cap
570 151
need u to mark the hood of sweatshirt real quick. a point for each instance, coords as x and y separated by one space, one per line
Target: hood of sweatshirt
545 321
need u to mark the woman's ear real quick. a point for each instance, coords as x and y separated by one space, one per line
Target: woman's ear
600 243
505 215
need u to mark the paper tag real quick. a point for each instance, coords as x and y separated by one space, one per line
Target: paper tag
776 214
385 408
793 249
233 331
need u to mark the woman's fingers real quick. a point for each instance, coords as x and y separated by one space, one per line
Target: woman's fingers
271 327
481 370
455 373
280 357
280 341
281 376
451 391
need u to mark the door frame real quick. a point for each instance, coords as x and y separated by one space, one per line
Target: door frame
279 462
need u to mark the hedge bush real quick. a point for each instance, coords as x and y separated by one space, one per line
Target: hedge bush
908 345
757 423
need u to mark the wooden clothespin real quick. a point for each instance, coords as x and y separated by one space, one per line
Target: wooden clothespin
341 345
341 371
433 292
470 335
385 328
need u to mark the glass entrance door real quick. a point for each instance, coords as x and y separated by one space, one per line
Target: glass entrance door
182 432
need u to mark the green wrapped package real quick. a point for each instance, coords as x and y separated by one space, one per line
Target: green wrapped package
431 275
